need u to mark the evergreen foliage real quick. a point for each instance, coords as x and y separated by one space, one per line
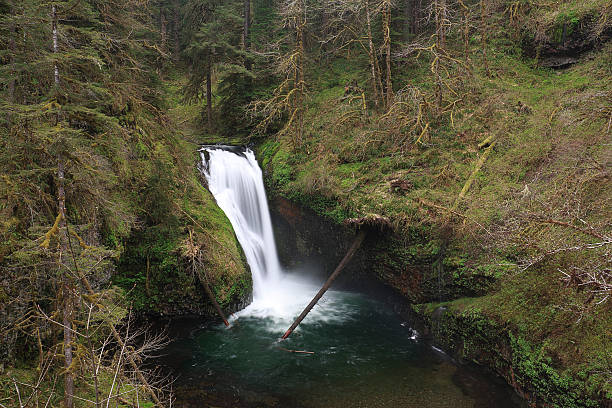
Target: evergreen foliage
443 116
212 34
89 164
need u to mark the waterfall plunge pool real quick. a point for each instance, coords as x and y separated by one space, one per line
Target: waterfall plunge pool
364 355
354 351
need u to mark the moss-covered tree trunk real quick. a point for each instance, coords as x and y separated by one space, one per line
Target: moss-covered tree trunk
386 17
175 29
163 30
247 24
375 68
209 95
301 86
484 32
67 308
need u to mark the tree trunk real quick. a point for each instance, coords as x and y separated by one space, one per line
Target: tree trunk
444 22
484 33
163 30
247 24
440 10
121 344
211 296
11 47
209 96
416 15
68 307
301 82
296 103
466 31
354 247
387 46
147 277
416 6
439 87
175 30
245 33
470 179
373 58
13 75
408 26
55 47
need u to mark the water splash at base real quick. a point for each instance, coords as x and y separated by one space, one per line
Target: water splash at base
236 181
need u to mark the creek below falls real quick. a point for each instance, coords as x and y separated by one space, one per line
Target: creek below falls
354 350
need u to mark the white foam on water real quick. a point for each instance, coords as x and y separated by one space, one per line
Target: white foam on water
236 182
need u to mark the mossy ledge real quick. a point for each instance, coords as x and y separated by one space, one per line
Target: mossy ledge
157 269
472 336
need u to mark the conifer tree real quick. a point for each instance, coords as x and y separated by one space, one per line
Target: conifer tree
74 80
213 33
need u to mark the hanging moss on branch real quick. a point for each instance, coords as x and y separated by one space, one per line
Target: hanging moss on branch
53 231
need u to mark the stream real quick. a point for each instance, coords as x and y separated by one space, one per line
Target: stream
352 350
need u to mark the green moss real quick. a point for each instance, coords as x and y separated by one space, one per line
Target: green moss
543 120
54 396
534 370
281 169
464 329
153 267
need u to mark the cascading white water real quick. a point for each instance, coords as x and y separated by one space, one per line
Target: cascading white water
237 184
236 181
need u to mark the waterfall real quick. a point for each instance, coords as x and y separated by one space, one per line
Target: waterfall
236 181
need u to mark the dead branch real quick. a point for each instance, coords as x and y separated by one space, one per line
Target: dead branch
295 351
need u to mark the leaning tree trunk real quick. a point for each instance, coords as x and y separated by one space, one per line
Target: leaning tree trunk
354 247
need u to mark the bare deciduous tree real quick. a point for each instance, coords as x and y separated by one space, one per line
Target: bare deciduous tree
290 95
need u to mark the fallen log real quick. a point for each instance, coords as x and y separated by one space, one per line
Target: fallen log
204 280
487 142
356 244
470 180
211 296
296 351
